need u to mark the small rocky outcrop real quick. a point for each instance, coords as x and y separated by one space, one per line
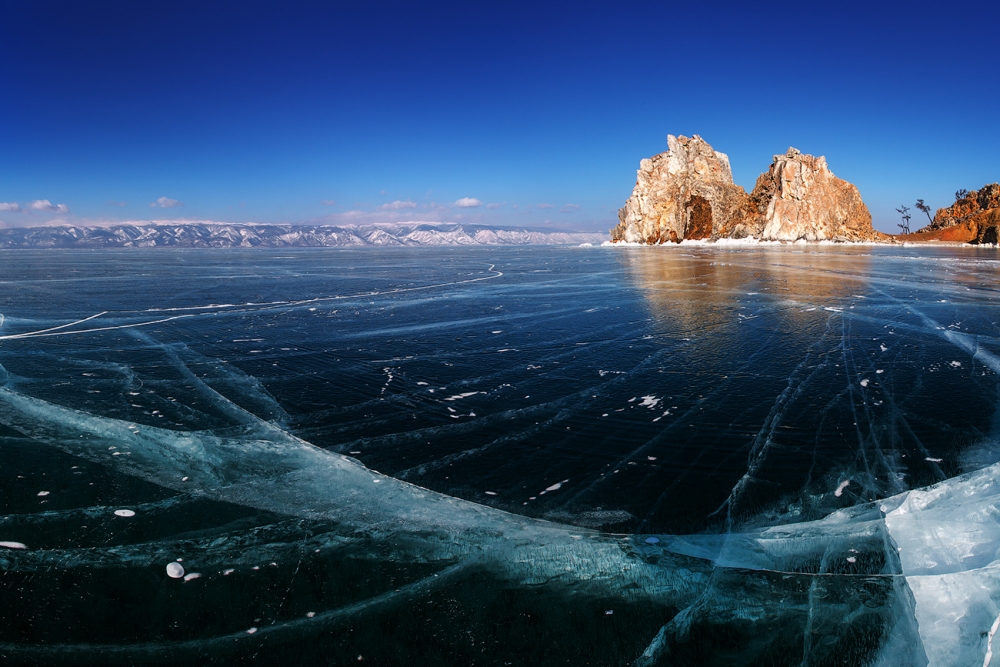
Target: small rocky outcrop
688 193
973 218
685 193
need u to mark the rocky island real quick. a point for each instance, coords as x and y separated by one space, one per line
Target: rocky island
973 218
688 193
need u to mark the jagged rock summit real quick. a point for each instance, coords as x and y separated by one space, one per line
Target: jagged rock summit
688 193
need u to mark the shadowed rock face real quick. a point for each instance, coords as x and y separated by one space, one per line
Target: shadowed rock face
688 193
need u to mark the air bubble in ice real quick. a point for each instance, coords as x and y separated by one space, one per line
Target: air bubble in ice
124 513
652 540
13 545
175 570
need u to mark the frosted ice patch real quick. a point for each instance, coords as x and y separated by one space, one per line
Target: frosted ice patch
956 364
250 631
840 489
175 570
13 545
193 575
864 383
883 347
310 614
124 513
852 559
649 402
879 372
465 395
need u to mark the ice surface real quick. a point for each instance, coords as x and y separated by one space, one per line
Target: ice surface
781 506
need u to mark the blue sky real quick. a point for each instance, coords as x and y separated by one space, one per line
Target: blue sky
528 113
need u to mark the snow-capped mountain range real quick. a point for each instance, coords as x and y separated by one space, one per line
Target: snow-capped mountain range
225 235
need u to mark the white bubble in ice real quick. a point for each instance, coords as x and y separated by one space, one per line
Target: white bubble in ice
193 575
42 494
124 513
175 570
13 545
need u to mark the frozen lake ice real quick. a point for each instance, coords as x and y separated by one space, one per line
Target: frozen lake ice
527 456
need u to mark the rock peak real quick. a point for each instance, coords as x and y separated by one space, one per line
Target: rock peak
688 193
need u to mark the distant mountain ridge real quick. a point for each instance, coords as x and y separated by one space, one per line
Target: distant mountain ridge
251 235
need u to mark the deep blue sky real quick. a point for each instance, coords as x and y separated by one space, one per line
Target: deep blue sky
294 112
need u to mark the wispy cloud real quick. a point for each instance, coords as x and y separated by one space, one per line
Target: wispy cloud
10 207
544 205
569 207
468 202
398 205
166 202
495 205
328 202
46 205
112 202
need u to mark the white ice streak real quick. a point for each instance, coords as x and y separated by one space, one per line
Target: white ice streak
213 309
259 465
840 489
13 545
465 395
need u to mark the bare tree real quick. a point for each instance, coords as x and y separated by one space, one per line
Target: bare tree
905 225
925 208
961 194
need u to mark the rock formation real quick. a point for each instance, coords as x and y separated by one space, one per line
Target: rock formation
688 193
973 218
681 194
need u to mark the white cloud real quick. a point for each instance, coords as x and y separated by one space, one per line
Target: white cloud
544 205
495 205
569 207
166 202
112 202
46 205
11 207
398 205
468 202
328 202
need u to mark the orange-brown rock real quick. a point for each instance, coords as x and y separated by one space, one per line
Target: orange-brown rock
973 218
800 198
688 193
